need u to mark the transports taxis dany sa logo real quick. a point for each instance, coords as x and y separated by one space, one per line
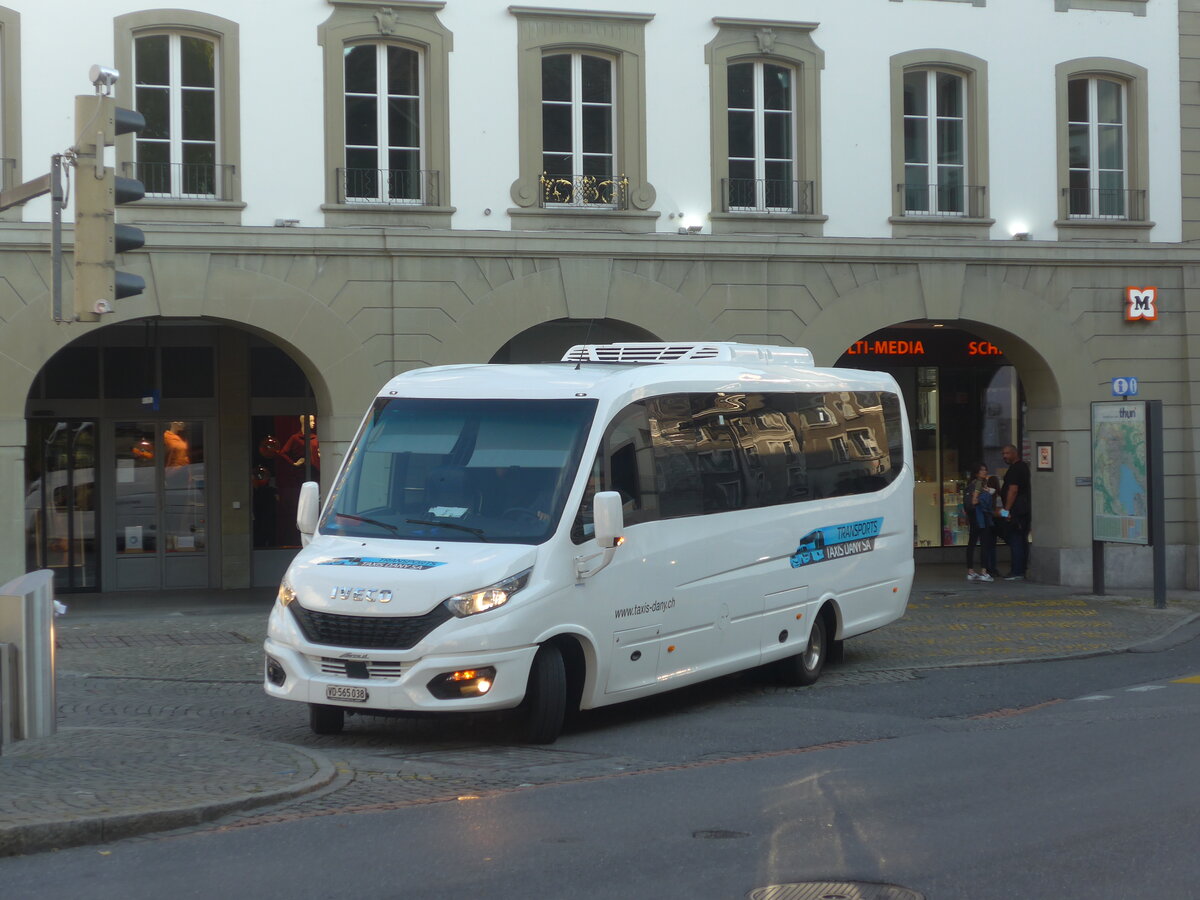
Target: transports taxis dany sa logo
837 541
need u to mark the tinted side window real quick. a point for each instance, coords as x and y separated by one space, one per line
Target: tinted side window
676 434
698 453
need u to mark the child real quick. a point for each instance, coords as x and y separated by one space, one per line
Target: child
985 507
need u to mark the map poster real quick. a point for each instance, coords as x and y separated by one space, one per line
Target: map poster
1120 494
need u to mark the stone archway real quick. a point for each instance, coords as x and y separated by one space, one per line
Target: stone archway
1054 365
576 290
342 372
548 341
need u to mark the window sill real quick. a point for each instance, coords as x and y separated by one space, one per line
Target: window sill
623 221
941 227
1137 7
177 211
801 224
380 215
1104 229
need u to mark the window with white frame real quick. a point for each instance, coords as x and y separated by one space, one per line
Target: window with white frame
176 90
384 124
761 121
1097 157
935 152
578 124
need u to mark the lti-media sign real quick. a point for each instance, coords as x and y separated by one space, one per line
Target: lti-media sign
909 346
1141 304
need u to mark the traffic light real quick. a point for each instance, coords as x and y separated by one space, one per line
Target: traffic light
98 191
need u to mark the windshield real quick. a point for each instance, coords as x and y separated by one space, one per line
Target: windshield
461 470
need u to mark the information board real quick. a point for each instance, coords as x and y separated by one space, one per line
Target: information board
1120 496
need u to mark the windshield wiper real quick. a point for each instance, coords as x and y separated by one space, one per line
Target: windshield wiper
478 532
390 527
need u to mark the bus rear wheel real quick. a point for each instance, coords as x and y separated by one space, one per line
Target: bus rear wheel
805 667
544 708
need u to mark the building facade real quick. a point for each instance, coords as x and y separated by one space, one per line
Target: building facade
345 190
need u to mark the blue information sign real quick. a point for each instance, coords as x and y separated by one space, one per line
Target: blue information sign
1124 387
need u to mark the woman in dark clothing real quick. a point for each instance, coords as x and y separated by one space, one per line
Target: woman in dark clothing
970 498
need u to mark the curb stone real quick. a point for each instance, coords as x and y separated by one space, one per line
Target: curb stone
36 837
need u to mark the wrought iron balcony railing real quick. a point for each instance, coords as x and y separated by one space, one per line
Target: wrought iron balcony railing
585 191
766 195
1106 203
941 200
394 187
183 181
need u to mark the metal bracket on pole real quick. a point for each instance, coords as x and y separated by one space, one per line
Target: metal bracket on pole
56 208
23 193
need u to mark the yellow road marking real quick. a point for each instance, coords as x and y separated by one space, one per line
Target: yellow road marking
1194 679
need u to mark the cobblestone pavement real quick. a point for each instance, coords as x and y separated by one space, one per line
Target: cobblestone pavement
163 723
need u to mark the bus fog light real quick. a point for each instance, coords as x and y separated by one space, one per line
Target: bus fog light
275 672
463 683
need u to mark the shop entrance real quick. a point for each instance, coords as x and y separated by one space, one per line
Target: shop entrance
165 454
160 536
965 403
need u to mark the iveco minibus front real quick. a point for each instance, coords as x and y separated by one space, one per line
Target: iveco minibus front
423 585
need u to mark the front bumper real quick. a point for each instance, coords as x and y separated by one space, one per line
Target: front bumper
395 681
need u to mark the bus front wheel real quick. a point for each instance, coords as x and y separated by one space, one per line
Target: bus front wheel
544 707
324 719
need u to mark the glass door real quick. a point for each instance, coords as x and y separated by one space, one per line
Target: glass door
161 533
61 501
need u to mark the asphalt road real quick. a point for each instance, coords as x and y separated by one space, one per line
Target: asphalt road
1068 779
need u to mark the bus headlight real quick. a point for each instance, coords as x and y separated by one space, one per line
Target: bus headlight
286 595
474 602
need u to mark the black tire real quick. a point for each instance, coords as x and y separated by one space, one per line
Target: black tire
324 719
805 667
545 705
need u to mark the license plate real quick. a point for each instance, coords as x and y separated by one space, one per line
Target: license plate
339 692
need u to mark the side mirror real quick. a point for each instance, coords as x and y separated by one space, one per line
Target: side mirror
308 510
608 517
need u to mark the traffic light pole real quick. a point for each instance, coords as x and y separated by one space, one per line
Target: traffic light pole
98 191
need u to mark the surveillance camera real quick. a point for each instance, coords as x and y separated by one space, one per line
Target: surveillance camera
103 76
100 307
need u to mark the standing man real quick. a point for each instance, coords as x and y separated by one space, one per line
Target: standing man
1014 495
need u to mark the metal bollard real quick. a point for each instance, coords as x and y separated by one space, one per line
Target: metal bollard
27 621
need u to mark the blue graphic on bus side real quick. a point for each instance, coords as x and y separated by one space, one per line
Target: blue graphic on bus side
378 562
837 541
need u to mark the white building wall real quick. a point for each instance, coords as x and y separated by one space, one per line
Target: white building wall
282 117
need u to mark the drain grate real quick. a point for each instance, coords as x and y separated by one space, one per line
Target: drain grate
833 890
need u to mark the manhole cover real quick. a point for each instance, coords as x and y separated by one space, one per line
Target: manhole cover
833 890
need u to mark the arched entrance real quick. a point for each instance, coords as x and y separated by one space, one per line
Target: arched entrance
548 341
167 453
965 402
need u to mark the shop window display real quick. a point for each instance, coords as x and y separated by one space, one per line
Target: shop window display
286 452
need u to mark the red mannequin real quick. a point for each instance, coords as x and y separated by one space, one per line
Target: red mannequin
303 444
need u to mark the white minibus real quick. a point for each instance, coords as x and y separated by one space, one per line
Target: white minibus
563 536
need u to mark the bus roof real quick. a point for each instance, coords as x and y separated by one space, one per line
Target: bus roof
611 369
